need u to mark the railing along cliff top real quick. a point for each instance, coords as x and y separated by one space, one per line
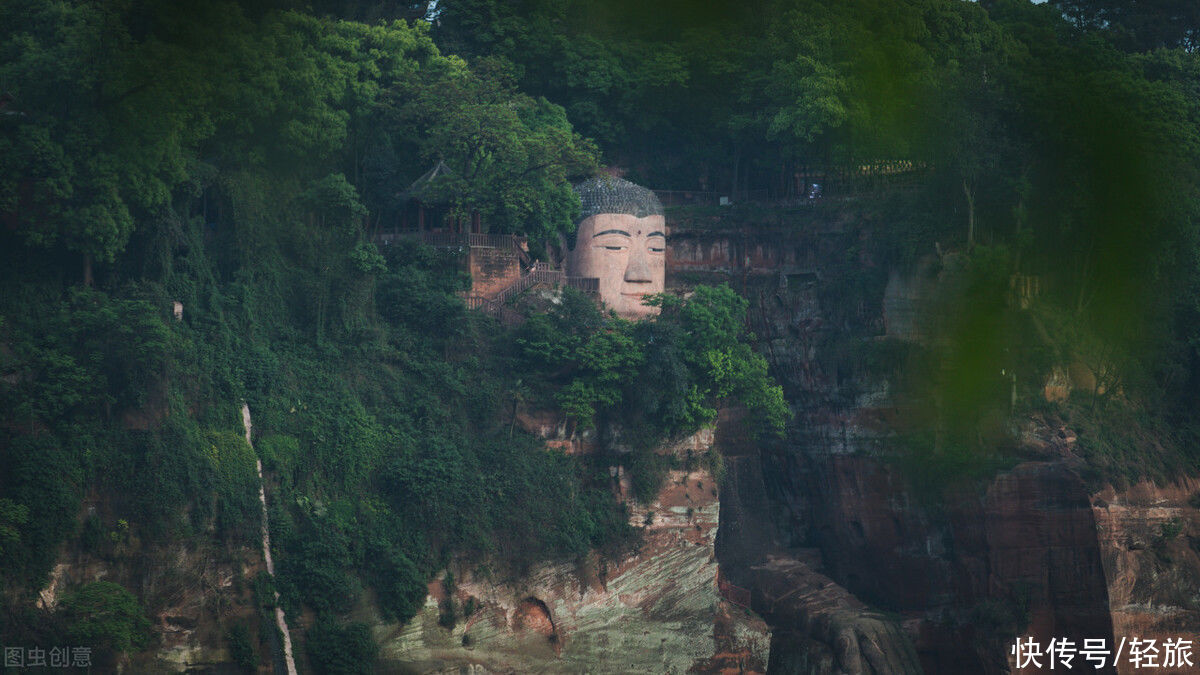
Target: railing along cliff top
475 239
835 180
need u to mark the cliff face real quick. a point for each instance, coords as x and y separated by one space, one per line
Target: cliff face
961 573
192 595
1035 554
852 567
1149 536
1020 558
656 611
858 570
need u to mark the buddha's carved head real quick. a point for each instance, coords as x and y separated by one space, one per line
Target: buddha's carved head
621 239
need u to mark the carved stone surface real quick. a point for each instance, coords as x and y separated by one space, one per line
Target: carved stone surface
608 194
654 611
621 240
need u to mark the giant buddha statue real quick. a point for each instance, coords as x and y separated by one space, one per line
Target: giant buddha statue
620 239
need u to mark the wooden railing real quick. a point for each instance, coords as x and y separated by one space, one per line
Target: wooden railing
707 198
544 271
688 197
836 181
510 318
475 239
496 240
541 273
496 305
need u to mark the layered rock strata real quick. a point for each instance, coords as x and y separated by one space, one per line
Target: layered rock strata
657 611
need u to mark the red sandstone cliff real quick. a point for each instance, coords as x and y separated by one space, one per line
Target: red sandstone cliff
858 570
658 610
1149 536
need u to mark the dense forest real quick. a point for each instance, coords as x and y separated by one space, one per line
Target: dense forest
236 157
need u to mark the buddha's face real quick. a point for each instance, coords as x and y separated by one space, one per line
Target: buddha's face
628 255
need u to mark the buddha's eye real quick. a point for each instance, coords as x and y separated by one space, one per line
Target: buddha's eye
613 248
656 249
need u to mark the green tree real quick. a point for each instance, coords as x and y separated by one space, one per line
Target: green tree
340 650
1140 26
103 123
12 517
606 364
711 328
106 617
512 156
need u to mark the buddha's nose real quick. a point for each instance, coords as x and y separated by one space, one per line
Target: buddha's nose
638 269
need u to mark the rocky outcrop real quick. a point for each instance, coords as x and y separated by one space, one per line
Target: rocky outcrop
858 570
191 593
825 628
280 619
818 625
656 611
492 268
1149 536
193 590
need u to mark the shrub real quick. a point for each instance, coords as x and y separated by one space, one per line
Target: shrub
106 617
340 650
241 648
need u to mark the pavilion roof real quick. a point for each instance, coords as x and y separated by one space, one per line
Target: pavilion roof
435 185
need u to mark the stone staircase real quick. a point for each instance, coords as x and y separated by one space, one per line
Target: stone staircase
538 273
491 300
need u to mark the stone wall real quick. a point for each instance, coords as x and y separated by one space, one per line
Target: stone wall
1149 537
900 305
492 269
753 252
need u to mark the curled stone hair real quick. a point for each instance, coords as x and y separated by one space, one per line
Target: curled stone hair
607 194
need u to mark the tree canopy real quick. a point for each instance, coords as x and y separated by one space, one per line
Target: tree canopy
237 157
